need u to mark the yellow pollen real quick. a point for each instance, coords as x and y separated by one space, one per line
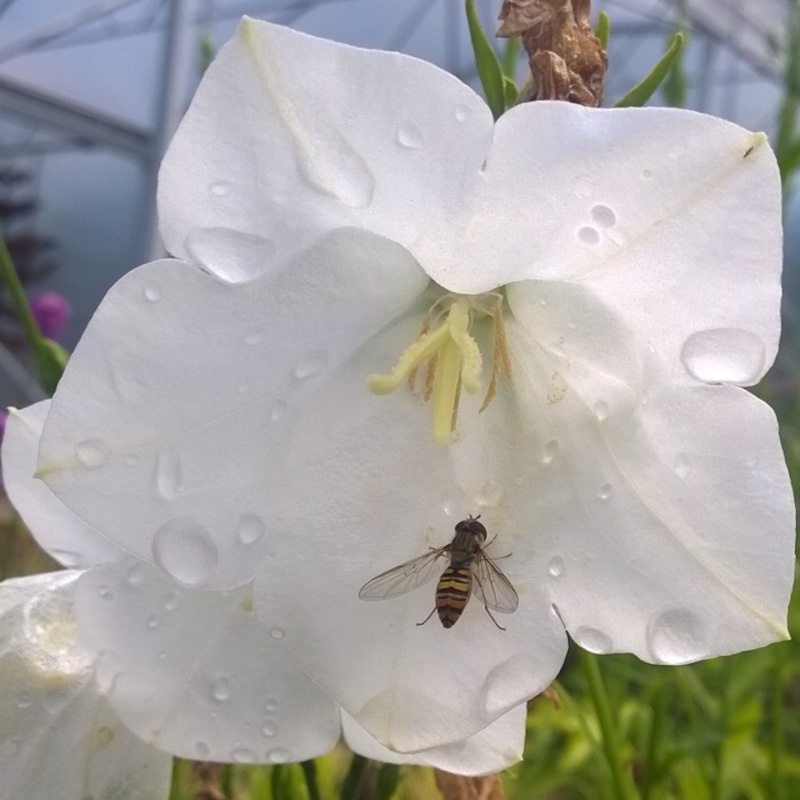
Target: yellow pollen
452 360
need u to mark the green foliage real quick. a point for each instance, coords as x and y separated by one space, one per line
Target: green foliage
603 29
644 90
490 70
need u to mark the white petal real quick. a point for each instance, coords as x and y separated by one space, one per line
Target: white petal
661 515
58 736
290 136
493 749
673 217
170 443
66 537
192 672
377 493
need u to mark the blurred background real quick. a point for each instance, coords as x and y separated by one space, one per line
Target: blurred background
91 90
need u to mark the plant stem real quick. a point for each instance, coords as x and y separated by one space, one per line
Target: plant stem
18 297
353 777
310 774
623 788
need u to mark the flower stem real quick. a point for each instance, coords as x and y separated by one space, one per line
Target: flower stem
623 788
310 774
22 307
353 778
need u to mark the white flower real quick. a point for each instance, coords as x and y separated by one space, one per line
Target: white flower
59 737
602 282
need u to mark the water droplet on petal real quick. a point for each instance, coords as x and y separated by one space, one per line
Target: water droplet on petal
605 491
91 453
221 188
724 355
269 729
250 529
234 256
682 467
593 640
677 636
278 410
556 567
106 594
171 601
185 550
24 699
104 736
461 113
136 574
647 174
601 411
243 756
253 337
588 235
277 633
67 558
279 756
310 364
168 477
491 494
410 136
202 750
152 293
270 705
603 216
221 690
153 621
551 451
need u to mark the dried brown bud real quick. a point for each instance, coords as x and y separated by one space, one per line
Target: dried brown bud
565 57
460 787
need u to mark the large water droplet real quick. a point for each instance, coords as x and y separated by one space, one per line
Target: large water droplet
242 755
168 476
410 136
588 235
250 529
91 453
310 364
185 550
221 690
551 451
593 640
603 216
556 567
677 636
234 256
279 756
724 355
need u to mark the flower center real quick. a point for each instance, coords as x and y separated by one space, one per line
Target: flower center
451 357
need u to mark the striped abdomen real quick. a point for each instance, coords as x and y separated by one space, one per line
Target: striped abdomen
452 593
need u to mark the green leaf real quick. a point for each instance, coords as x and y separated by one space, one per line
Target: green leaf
603 29
510 91
644 90
490 71
513 46
51 359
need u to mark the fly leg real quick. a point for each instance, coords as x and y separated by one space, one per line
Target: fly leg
485 604
430 615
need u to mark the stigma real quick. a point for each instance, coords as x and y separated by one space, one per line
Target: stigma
448 354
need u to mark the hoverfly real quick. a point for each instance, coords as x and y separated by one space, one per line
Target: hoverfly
470 569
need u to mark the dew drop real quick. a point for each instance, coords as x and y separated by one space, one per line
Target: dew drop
310 364
593 640
647 174
556 567
279 756
277 633
185 550
250 529
601 411
588 235
171 601
603 216
168 476
551 451
243 756
152 293
24 700
136 574
410 136
221 690
605 491
645 399
677 636
724 355
270 705
90 453
681 466
221 188
491 494
162 655
253 337
461 113
67 558
269 729
106 594
202 750
243 387
234 256
153 621
278 410
104 736
543 302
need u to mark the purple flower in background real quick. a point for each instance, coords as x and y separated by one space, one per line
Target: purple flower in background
52 313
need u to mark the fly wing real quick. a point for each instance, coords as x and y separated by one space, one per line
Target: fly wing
492 586
404 577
